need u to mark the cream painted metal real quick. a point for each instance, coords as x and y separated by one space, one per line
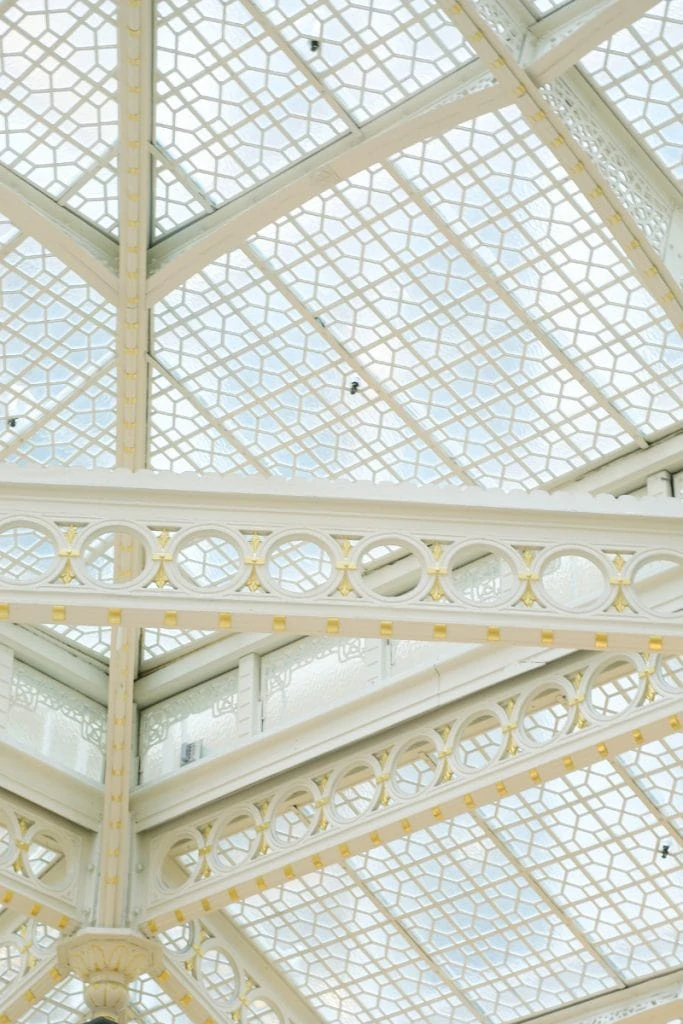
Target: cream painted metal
462 756
550 46
648 267
472 567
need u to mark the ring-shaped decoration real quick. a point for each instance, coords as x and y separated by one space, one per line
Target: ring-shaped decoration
613 687
46 846
479 739
300 563
217 559
398 565
9 832
354 790
656 575
174 874
100 531
234 838
12 553
415 766
668 675
482 574
179 938
561 585
261 1009
218 973
547 713
296 814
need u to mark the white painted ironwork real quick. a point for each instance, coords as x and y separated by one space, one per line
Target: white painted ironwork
490 745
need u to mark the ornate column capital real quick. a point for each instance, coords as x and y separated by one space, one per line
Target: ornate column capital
107 960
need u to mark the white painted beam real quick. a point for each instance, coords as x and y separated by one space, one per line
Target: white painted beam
115 833
56 660
135 43
81 246
71 796
629 472
645 262
561 39
436 109
526 531
449 789
396 698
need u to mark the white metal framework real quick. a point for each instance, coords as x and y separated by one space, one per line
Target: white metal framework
302 306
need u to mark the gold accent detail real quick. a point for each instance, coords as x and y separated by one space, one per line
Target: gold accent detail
528 597
655 643
557 141
344 850
55 974
206 904
35 909
179 916
539 115
185 999
547 636
601 641
375 838
568 763
493 634
288 871
254 583
405 825
535 775
520 90
163 975
316 861
4 611
437 591
170 619
602 750
497 63
30 997
386 629
501 788
638 736
232 894
439 631
596 192
261 883
63 922
332 627
437 813
224 620
279 623
674 723
58 613
468 800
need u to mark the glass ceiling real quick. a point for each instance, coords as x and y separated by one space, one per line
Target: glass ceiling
495 328
496 332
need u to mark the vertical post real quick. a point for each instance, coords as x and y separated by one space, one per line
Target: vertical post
249 717
115 836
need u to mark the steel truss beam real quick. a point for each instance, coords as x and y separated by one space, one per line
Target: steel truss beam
645 262
472 566
80 245
247 843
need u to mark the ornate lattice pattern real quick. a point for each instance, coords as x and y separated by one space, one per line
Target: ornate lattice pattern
274 386
549 251
93 639
593 846
156 643
232 106
640 70
371 56
650 211
59 336
58 114
445 752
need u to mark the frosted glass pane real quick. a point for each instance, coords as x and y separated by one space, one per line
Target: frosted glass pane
314 674
205 715
411 655
53 721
